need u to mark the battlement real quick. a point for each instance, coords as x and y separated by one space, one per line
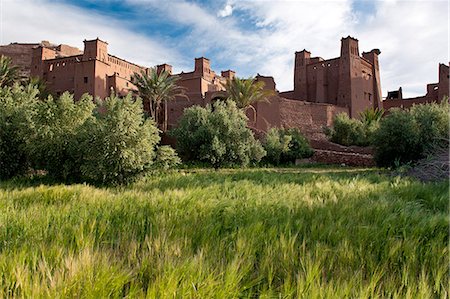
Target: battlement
349 80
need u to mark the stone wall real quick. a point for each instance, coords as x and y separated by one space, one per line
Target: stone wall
310 118
349 159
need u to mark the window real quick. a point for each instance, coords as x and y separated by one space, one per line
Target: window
85 79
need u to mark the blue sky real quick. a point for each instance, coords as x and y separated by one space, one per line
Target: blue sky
247 36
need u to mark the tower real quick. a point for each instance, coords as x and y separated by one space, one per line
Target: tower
164 68
372 56
443 89
349 68
202 66
302 59
95 49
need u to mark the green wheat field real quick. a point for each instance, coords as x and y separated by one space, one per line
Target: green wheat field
252 233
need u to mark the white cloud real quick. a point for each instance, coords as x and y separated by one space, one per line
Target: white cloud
226 11
261 38
35 20
413 38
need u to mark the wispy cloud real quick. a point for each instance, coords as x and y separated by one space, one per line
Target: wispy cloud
253 36
36 20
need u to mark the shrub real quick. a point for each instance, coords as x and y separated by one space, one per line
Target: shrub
118 144
396 141
347 131
406 136
433 125
52 144
286 145
17 105
166 158
218 135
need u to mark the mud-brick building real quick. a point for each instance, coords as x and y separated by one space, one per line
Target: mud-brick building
322 88
22 53
436 92
200 84
92 70
350 80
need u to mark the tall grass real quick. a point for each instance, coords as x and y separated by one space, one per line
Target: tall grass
266 233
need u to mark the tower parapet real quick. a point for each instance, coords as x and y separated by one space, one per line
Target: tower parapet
95 49
202 66
164 67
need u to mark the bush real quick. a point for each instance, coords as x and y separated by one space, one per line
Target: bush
347 131
286 145
53 143
433 124
118 144
17 105
396 140
166 158
218 135
408 135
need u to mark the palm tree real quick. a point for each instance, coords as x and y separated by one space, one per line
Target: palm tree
156 89
246 92
9 74
371 115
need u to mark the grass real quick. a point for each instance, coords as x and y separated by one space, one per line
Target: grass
268 233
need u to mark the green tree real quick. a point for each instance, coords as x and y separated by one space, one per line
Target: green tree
41 85
118 143
246 92
217 135
9 74
53 143
17 107
157 89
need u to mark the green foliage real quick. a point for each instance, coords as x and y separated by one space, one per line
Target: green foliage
286 145
17 107
9 74
218 135
119 143
396 142
433 125
72 141
246 92
408 135
41 85
258 233
53 143
155 89
371 115
347 131
166 158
